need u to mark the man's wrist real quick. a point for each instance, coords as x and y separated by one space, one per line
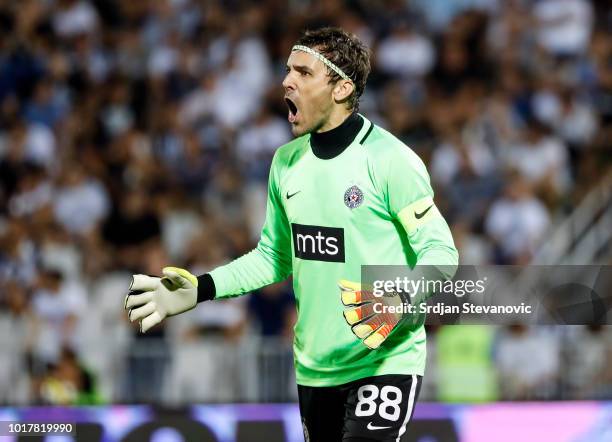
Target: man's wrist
206 288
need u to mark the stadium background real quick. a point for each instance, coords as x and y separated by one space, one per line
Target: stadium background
138 134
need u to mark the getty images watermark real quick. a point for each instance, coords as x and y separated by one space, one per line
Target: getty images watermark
457 287
493 294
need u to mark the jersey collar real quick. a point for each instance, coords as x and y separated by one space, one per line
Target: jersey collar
330 144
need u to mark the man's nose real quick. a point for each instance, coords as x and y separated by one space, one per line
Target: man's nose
288 82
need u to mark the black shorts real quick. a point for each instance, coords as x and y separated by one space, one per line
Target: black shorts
376 408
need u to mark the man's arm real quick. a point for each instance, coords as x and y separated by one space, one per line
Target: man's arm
410 201
268 263
152 299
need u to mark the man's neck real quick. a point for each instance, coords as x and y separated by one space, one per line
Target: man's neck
331 143
336 118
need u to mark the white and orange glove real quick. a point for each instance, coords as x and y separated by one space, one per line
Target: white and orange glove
371 318
151 299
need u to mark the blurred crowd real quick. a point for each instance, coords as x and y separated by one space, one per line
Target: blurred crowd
134 135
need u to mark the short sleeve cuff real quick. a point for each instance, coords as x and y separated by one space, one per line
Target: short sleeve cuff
206 288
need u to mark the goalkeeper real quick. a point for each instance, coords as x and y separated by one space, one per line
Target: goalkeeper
344 193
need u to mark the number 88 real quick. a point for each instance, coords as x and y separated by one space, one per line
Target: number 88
366 403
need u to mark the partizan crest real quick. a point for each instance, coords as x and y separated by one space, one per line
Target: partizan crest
353 197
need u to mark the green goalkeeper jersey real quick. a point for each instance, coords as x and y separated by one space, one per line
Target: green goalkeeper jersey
372 204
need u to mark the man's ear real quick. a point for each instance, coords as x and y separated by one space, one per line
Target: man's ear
343 90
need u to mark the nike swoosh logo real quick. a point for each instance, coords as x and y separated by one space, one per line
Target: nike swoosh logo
373 427
422 214
293 194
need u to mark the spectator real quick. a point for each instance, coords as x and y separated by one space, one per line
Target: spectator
257 142
542 159
588 353
67 382
467 170
563 26
17 255
36 141
81 202
181 223
117 116
475 250
74 17
572 119
34 193
516 222
47 106
58 250
529 362
405 52
16 343
273 308
130 226
57 306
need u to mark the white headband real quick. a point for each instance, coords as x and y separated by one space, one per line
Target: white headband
321 57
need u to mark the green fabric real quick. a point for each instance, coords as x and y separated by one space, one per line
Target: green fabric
391 177
465 367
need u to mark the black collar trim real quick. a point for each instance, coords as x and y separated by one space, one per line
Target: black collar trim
365 137
330 144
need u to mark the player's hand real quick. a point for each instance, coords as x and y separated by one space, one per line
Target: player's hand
369 316
151 299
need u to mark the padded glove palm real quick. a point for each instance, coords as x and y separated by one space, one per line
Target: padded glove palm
151 299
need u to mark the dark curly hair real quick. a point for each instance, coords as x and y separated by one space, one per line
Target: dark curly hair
345 51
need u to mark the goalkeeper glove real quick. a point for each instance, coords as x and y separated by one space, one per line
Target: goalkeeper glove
151 299
369 323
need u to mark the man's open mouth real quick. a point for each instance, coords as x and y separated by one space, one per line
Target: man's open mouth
293 110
